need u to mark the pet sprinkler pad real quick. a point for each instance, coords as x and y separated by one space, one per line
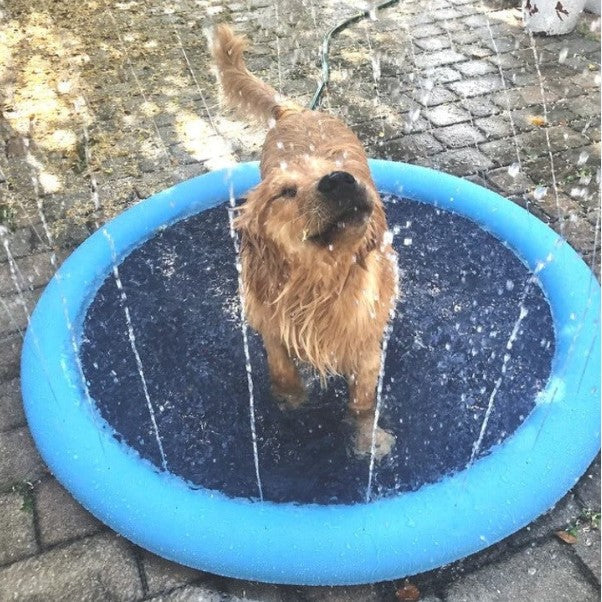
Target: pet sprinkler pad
135 387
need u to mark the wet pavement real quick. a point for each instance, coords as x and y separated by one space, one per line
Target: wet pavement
103 104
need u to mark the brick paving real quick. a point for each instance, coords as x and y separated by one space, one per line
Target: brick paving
104 104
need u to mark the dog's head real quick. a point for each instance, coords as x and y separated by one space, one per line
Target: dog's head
316 208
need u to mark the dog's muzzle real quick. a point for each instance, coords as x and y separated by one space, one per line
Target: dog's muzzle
344 197
344 208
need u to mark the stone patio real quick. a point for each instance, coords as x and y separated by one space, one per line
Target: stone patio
104 104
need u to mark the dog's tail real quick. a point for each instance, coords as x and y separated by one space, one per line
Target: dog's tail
242 90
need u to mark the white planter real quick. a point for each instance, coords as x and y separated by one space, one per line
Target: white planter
552 17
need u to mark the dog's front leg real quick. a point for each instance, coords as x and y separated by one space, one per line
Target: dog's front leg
286 383
362 401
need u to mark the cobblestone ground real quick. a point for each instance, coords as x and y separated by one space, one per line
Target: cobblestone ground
104 104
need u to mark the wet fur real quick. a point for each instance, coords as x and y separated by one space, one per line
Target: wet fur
311 303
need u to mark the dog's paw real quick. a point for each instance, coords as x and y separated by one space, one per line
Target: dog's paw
383 441
289 399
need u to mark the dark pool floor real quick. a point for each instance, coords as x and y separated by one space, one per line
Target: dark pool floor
462 296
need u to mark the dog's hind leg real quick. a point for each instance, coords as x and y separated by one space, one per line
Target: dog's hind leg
287 386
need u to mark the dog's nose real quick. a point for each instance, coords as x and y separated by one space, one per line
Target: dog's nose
337 183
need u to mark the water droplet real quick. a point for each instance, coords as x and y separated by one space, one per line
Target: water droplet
540 192
563 54
407 242
583 157
514 169
532 570
376 67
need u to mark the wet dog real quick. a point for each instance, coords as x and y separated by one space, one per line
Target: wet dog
319 272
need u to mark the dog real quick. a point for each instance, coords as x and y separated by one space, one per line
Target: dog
318 270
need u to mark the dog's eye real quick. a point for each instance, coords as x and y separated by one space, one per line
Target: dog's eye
289 191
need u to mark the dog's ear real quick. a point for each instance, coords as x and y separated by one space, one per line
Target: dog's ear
249 213
374 235
265 267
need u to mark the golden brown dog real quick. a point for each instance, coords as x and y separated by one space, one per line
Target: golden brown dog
318 269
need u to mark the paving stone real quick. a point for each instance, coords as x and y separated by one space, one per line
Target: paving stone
496 126
587 548
151 183
586 106
11 406
163 575
580 234
458 135
29 272
498 44
534 144
531 95
17 533
194 594
363 593
433 43
426 31
452 26
410 147
467 36
435 59
376 131
10 350
564 513
479 106
476 21
264 592
509 60
475 51
96 568
556 204
462 162
588 488
436 96
20 242
477 85
588 127
19 459
568 173
15 311
543 572
533 117
475 68
446 14
516 78
508 184
441 75
447 114
60 517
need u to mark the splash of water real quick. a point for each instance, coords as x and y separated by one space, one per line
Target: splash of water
134 346
522 314
245 340
392 258
544 104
